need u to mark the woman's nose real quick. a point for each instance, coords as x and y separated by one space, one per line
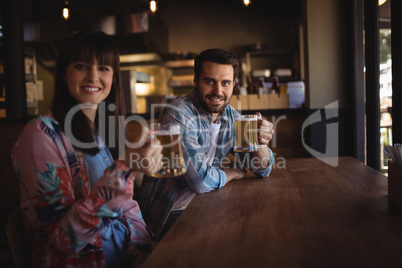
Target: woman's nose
92 74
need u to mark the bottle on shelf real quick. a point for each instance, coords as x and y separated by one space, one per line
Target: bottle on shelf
251 88
261 87
275 86
283 89
236 89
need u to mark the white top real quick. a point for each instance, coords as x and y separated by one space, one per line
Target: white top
212 142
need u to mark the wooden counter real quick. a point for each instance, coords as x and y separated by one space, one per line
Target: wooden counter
307 215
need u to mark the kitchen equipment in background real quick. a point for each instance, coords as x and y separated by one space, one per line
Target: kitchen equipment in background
140 94
279 62
143 75
30 81
141 37
130 81
261 73
181 55
155 104
283 72
296 94
181 78
257 46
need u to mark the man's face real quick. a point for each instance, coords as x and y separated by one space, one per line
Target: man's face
215 87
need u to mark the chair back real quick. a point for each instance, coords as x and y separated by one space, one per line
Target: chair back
16 239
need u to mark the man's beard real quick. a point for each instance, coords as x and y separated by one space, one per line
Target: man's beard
210 108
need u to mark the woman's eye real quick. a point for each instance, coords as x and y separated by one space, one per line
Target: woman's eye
80 66
105 68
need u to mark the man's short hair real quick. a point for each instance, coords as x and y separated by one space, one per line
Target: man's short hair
216 55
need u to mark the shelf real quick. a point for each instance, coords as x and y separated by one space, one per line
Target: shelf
180 63
181 83
270 61
270 52
182 75
30 78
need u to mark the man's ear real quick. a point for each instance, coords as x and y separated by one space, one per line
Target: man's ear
195 82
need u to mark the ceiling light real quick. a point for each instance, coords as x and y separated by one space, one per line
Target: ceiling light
153 6
246 2
380 2
66 10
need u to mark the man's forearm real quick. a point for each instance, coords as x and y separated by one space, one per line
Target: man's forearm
264 155
234 173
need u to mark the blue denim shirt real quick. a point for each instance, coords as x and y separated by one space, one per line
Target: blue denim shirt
115 234
158 196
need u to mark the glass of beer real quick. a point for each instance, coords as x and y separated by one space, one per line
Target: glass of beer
169 136
246 130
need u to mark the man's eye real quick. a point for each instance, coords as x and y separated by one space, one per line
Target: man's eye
226 83
208 82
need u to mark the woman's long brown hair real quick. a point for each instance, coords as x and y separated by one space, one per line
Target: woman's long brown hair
87 46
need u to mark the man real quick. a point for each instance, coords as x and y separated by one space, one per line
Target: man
207 127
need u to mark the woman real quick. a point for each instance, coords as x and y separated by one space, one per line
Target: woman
76 200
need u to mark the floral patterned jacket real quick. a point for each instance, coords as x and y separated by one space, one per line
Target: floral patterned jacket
62 215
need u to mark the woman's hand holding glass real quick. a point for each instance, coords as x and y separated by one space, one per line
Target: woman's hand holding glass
145 155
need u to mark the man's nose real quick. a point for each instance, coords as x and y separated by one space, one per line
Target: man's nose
218 89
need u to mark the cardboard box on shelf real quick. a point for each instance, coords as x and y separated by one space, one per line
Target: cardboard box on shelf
278 101
239 102
260 102
268 101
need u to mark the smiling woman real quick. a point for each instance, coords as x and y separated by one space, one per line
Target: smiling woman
82 66
77 199
89 83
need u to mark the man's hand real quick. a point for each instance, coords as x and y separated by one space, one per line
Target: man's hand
265 134
265 130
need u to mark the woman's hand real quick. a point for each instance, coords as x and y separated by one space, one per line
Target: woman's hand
144 157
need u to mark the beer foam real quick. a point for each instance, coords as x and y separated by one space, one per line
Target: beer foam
246 119
168 132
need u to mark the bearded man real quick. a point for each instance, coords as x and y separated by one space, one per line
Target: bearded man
207 129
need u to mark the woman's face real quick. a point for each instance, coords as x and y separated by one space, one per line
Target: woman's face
89 82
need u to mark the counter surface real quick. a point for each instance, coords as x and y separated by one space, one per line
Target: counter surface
308 214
